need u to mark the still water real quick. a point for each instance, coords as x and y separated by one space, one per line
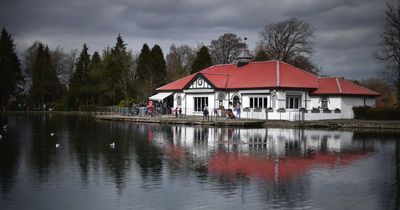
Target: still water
187 167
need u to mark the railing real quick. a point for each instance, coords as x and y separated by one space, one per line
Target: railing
290 115
112 110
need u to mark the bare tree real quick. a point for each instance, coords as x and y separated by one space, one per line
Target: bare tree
179 61
287 39
304 63
72 58
64 63
226 48
387 97
388 51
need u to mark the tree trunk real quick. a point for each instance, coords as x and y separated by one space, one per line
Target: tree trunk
398 89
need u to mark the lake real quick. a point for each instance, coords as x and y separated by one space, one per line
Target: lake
153 166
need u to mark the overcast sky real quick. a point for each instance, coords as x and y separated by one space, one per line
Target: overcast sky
346 31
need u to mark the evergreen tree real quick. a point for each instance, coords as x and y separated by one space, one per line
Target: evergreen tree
45 87
202 61
158 67
79 88
144 79
95 78
261 56
10 68
117 65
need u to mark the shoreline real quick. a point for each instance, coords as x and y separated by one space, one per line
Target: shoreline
343 124
351 124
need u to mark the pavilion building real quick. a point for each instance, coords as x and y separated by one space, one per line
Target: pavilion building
272 90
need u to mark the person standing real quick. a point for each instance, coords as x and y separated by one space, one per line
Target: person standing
205 113
238 110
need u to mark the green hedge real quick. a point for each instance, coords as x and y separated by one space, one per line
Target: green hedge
369 113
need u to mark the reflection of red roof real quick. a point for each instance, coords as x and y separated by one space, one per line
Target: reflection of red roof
281 169
268 74
341 86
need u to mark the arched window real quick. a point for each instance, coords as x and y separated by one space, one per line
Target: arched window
273 101
235 100
324 102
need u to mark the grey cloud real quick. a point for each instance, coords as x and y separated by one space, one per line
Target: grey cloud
346 32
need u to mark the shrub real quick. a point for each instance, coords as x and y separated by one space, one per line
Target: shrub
281 110
303 110
369 113
88 108
326 110
126 102
59 107
315 110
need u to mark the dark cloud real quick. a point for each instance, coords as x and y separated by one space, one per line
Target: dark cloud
346 32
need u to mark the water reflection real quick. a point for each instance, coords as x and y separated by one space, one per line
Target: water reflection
235 167
269 154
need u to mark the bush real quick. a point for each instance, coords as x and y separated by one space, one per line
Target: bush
59 106
126 102
369 113
315 110
326 110
281 110
88 108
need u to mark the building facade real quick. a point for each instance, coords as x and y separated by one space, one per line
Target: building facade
271 90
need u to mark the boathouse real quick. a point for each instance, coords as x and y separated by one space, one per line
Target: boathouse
272 90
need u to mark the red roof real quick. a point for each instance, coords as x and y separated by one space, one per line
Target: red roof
339 86
268 74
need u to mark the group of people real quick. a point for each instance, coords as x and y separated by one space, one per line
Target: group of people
222 112
150 109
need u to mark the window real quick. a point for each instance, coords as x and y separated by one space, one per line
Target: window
293 102
324 102
200 103
258 102
179 101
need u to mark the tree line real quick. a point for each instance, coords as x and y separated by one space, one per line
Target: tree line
76 80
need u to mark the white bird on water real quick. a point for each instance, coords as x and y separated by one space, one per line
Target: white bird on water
57 145
51 134
112 145
5 127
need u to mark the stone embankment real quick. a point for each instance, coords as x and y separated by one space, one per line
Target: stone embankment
196 120
187 120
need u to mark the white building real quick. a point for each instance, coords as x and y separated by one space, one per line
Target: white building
271 90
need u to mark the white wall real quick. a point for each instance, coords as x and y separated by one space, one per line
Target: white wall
334 102
344 103
348 102
190 103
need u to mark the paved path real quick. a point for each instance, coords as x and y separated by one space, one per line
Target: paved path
189 120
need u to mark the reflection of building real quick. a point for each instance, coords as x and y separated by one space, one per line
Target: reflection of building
274 85
272 141
267 152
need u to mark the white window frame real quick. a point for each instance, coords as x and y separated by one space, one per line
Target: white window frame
292 101
255 101
199 103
